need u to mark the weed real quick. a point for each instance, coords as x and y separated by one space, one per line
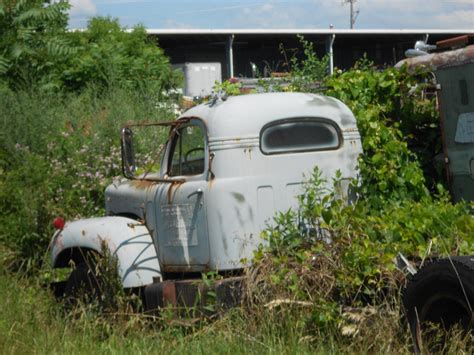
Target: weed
56 160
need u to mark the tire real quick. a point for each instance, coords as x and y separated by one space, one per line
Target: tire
442 294
83 285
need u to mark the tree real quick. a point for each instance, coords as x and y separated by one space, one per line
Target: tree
108 55
36 49
33 44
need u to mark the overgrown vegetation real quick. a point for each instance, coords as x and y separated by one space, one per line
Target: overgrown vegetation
325 281
37 50
63 98
56 159
32 322
337 257
305 74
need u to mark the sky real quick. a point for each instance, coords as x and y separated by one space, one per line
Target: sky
281 14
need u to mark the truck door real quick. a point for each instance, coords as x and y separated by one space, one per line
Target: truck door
182 235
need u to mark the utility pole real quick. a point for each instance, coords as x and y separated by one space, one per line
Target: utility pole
354 12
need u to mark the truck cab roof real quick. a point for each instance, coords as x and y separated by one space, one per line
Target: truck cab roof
241 116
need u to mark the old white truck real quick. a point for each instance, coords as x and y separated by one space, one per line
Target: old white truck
227 167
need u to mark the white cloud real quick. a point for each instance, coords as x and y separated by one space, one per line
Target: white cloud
379 14
82 7
270 14
267 7
400 7
219 9
462 2
376 14
120 2
412 14
457 19
170 23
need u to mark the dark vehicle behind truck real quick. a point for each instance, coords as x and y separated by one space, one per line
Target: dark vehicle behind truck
442 291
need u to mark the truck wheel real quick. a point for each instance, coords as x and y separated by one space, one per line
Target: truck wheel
83 285
442 292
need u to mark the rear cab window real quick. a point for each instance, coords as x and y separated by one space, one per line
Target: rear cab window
304 134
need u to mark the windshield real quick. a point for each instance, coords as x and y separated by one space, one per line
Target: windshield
143 146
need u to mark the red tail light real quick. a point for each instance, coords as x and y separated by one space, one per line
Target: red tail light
59 223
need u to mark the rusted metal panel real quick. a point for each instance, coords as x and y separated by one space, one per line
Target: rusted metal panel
160 294
456 42
143 184
195 294
454 74
182 234
437 61
153 123
442 124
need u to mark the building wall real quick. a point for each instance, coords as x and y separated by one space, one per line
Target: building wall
265 49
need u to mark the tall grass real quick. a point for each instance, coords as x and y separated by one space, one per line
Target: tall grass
57 154
33 118
31 321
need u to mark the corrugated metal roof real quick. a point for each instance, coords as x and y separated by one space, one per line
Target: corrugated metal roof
167 31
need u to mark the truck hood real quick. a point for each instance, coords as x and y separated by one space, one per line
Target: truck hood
129 197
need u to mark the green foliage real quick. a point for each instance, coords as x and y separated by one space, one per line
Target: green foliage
390 117
37 50
33 45
63 98
107 56
56 160
306 73
398 122
337 254
31 321
230 87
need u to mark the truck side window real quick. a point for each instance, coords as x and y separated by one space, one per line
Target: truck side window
187 156
299 135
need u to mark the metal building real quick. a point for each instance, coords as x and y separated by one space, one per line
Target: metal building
237 49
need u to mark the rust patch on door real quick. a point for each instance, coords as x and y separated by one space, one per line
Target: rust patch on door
174 185
143 184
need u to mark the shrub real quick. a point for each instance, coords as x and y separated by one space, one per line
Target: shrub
63 97
36 49
391 117
33 43
56 159
334 257
106 55
305 74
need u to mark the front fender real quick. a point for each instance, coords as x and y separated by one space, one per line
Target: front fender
128 240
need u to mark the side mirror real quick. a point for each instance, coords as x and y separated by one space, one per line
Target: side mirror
128 156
